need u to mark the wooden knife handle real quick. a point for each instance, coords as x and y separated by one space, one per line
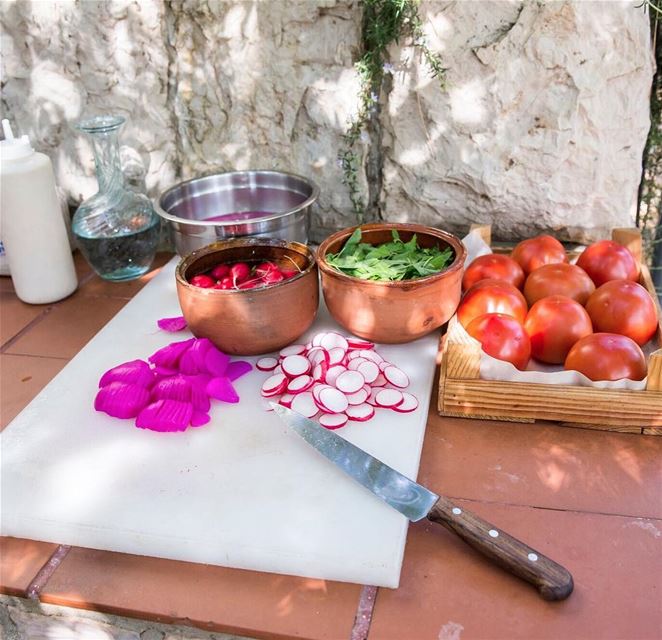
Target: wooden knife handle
553 581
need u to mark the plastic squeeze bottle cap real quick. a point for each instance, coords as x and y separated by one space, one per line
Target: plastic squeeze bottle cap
12 148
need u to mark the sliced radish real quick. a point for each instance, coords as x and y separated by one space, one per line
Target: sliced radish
317 339
370 355
292 350
299 384
317 388
349 382
359 397
396 377
372 397
304 404
360 412
381 381
369 370
389 398
333 340
354 354
333 373
286 400
357 343
336 355
409 403
333 420
294 366
318 355
274 385
355 363
383 364
266 364
333 400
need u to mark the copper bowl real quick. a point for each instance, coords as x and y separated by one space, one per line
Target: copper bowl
250 321
392 312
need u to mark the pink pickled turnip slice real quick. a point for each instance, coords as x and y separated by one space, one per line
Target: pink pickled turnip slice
336 355
333 373
355 363
216 362
286 400
221 389
333 420
359 397
304 404
169 355
266 364
294 366
409 403
360 412
172 325
199 396
274 384
237 368
369 370
389 398
165 415
193 360
198 418
333 340
165 371
134 372
172 388
299 384
357 343
396 377
122 400
333 400
349 382
292 350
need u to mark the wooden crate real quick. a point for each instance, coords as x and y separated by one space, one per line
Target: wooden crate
463 394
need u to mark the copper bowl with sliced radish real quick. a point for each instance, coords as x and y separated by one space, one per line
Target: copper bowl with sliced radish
391 283
249 295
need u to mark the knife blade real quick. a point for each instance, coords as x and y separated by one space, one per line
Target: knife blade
416 502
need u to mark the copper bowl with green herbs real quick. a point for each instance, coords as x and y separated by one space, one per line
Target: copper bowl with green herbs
391 283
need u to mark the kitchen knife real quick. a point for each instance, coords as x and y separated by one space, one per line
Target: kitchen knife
416 502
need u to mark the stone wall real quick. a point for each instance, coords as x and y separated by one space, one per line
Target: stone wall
541 124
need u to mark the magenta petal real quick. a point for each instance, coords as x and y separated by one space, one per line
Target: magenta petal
222 389
237 368
172 388
133 372
173 325
199 418
165 415
121 400
169 355
216 361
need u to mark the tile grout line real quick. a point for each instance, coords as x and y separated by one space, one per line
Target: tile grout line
35 321
44 574
364 612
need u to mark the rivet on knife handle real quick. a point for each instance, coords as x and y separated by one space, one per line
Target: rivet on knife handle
553 581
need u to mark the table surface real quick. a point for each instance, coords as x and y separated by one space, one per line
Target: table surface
589 499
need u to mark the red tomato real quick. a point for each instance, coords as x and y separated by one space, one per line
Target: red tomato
502 337
491 296
607 356
535 252
625 307
607 260
554 324
493 266
558 280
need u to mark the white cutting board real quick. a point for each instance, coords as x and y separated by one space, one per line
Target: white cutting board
242 491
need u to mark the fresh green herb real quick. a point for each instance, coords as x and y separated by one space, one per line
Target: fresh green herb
392 261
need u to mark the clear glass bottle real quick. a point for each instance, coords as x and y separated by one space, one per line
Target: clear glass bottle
117 229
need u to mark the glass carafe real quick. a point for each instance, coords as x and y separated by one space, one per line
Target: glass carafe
117 229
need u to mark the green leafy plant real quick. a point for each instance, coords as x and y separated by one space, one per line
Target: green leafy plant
391 261
384 22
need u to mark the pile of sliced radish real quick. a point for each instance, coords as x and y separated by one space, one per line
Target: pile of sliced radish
173 390
335 379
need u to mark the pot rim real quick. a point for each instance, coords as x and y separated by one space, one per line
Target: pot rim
189 259
219 223
456 244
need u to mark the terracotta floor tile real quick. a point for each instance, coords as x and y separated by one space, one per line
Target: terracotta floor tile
96 286
21 379
547 466
447 591
215 598
67 327
15 315
20 560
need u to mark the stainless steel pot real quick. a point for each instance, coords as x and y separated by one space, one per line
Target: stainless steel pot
272 204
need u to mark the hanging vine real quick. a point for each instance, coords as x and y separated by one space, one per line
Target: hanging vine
385 22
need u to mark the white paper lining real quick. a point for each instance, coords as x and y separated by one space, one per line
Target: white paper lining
538 372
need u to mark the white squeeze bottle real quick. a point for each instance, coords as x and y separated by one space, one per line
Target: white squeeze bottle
31 225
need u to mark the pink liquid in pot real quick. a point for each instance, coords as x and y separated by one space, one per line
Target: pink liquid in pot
238 216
